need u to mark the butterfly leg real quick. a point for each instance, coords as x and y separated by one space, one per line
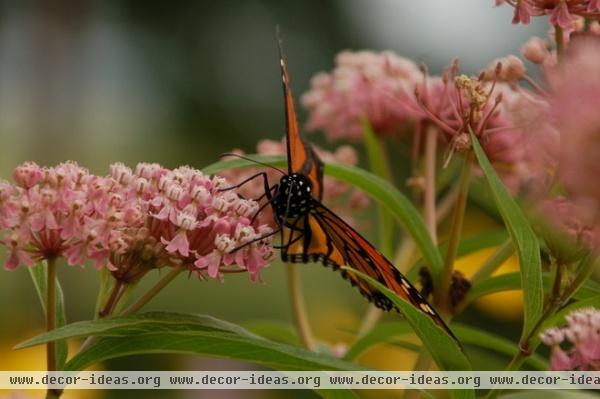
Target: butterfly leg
257 239
249 179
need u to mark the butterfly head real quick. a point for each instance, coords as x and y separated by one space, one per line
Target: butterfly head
294 196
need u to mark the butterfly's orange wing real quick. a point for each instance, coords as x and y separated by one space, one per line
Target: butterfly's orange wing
302 158
323 236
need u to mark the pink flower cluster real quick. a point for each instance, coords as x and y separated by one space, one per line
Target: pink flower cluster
568 141
562 12
341 197
582 335
364 84
394 95
130 221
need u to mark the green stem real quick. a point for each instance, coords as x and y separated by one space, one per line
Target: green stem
299 307
526 347
431 138
501 254
153 291
115 295
51 322
441 293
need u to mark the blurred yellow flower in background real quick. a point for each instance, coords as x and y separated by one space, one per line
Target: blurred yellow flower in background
34 359
506 305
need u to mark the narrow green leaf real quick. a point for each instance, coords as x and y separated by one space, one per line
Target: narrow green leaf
379 165
39 276
474 336
512 281
274 330
163 332
377 188
444 350
525 241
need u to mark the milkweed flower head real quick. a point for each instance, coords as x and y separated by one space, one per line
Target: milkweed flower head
363 84
129 221
490 106
576 345
341 197
561 12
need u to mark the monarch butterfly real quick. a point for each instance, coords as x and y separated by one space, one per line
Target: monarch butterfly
312 232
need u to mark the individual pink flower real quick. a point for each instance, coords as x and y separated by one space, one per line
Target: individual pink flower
582 336
511 70
536 50
366 85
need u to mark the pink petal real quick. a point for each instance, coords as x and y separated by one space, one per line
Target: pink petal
559 360
212 261
179 243
560 16
75 254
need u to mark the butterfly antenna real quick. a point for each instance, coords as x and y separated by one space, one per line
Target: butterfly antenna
232 154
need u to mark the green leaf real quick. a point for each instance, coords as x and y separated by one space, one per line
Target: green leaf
381 333
274 330
386 332
379 165
523 237
444 350
377 188
512 282
162 332
474 336
39 276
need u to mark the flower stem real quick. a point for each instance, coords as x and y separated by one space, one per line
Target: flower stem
429 192
151 293
115 295
441 293
299 307
51 322
559 39
495 261
526 348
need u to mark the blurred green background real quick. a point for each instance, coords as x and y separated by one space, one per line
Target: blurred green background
179 83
